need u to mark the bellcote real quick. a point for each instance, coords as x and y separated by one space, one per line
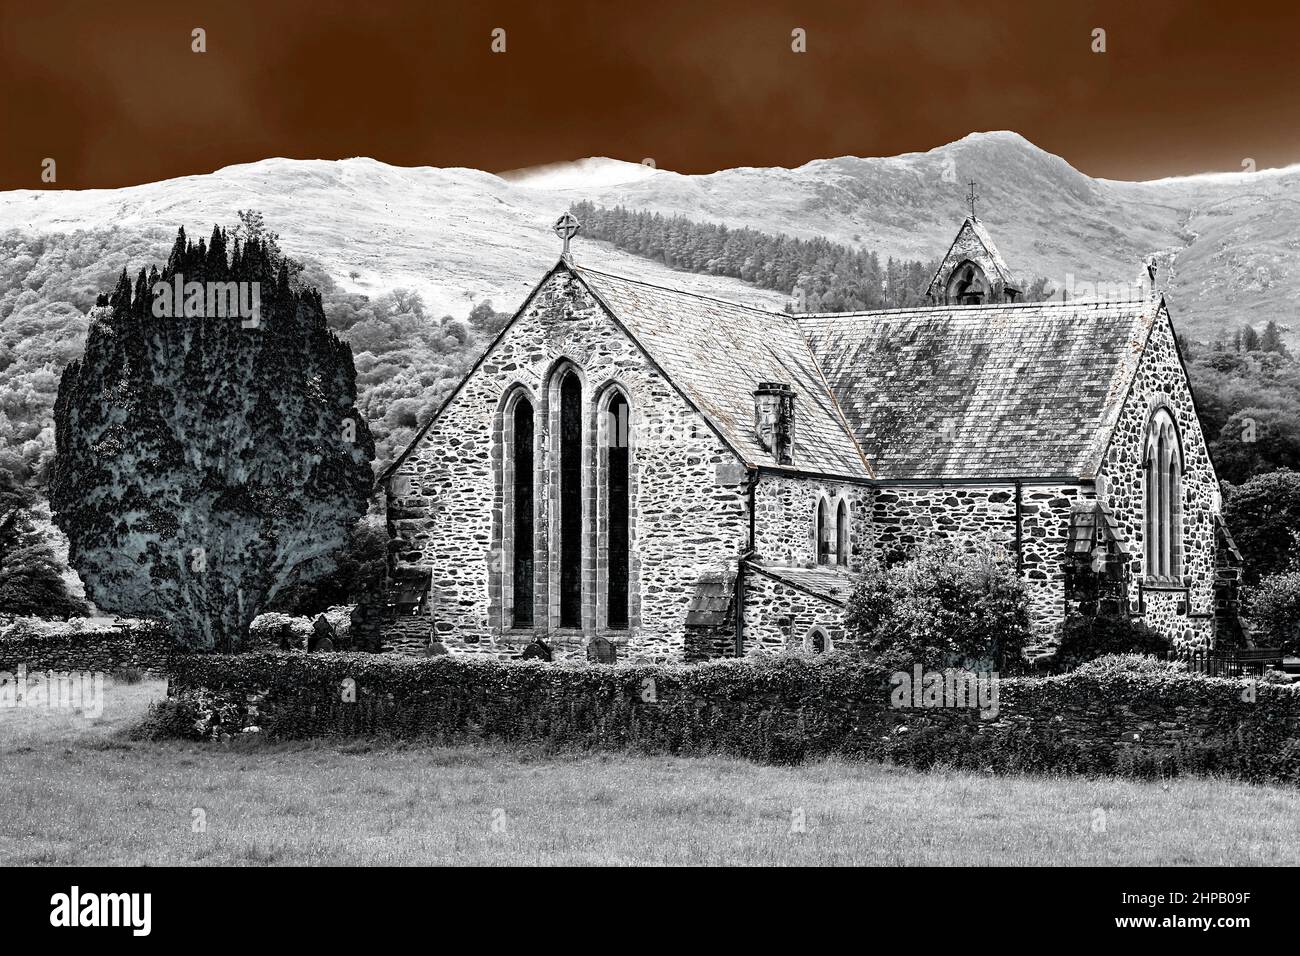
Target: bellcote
973 272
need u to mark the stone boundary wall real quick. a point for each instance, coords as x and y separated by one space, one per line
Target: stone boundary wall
1094 720
87 651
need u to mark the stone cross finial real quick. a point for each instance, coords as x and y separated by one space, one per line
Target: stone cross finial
972 197
566 227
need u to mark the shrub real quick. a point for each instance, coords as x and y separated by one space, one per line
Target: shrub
1109 665
272 629
1121 715
1274 606
1263 513
1085 638
941 607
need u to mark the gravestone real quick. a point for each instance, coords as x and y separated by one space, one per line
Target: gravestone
602 651
538 650
322 638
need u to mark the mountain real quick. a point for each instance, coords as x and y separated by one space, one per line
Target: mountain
1228 242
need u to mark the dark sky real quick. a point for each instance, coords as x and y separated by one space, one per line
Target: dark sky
114 94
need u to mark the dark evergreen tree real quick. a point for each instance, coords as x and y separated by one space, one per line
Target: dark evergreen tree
203 462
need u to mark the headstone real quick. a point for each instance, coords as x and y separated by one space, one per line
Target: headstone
322 635
538 650
602 651
435 649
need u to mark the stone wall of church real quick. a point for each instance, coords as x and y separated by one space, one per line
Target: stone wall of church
906 515
785 526
689 501
780 617
1185 612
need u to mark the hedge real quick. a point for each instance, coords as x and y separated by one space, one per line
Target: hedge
1097 720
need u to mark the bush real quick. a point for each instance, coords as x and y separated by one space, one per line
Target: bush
1263 514
1110 665
271 629
1274 606
1085 638
941 607
1121 715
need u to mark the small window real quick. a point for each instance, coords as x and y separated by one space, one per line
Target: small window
842 534
823 532
817 642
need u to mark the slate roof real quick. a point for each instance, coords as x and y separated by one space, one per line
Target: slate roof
936 393
1091 524
827 581
943 392
992 391
718 352
711 601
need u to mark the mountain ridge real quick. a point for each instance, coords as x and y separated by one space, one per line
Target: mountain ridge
461 236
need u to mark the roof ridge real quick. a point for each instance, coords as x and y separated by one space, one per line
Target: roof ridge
960 309
862 313
687 292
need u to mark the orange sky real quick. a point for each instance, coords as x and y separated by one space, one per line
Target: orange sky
115 95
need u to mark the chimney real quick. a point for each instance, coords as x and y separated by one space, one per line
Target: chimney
774 420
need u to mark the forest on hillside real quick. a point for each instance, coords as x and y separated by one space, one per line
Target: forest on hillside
817 274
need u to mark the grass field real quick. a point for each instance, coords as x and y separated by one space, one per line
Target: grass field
77 791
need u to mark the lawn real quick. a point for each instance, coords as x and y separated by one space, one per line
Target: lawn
77 791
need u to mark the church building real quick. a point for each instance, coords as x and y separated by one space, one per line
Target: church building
668 476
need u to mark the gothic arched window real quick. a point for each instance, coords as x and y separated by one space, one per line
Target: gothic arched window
617 469
1163 481
823 532
817 642
842 534
570 500
521 506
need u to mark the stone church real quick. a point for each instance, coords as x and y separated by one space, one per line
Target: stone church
668 476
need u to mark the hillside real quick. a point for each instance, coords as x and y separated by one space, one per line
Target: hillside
461 238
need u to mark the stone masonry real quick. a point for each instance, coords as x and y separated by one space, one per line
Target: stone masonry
1050 405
